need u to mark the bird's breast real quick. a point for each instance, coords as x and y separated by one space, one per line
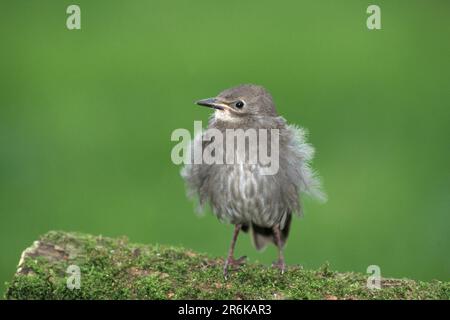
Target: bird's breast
245 196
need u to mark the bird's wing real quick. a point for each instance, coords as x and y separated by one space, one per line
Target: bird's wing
298 157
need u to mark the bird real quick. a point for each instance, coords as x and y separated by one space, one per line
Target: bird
240 193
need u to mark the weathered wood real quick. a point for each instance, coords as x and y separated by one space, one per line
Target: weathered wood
115 269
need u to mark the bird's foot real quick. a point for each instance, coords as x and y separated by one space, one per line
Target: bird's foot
280 265
234 264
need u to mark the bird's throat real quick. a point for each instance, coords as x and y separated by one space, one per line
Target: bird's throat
226 116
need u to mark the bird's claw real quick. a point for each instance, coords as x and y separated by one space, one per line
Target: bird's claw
234 264
280 265
238 262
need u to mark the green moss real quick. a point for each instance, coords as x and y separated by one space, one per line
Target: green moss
116 269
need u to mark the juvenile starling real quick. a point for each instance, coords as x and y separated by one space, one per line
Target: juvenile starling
240 193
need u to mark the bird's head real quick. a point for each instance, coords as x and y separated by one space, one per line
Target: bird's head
247 100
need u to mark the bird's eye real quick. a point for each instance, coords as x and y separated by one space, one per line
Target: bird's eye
239 104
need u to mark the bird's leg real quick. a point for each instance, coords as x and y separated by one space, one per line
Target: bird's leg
230 258
280 264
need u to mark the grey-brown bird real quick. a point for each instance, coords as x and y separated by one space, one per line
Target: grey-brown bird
241 193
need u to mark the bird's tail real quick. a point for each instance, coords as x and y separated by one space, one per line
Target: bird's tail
262 236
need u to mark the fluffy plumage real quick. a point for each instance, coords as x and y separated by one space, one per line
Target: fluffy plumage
239 193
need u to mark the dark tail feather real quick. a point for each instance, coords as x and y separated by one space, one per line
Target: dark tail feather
263 236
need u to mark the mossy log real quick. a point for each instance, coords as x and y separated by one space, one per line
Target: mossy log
115 269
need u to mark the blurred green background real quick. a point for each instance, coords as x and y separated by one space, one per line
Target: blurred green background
86 118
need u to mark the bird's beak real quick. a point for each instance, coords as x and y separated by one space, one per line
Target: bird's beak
212 103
